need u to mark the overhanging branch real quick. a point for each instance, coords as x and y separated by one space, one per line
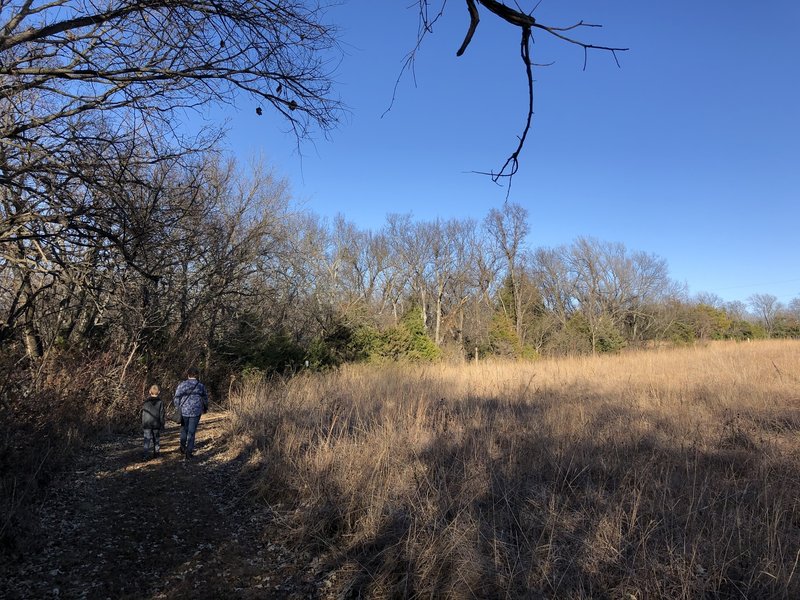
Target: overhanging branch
527 25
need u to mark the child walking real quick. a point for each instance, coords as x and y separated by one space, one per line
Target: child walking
152 421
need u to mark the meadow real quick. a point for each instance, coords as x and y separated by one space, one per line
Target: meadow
667 473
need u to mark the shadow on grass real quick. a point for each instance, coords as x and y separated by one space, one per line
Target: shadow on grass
508 501
502 500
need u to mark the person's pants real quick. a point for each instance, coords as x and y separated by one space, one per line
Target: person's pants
188 429
152 437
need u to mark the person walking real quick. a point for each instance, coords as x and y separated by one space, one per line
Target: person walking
191 401
152 421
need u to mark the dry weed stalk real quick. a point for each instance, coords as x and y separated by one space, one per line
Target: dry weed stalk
670 473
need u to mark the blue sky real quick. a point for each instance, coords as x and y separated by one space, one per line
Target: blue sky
690 150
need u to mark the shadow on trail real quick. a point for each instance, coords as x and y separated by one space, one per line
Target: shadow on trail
118 526
563 495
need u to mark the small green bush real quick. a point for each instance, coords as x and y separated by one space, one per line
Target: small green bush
405 341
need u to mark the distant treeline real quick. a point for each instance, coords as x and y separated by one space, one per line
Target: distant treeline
201 263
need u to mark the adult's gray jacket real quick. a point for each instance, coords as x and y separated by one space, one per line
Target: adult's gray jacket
191 398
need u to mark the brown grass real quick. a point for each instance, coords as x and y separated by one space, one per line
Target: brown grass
662 474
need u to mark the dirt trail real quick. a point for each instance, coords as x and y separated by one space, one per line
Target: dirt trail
115 526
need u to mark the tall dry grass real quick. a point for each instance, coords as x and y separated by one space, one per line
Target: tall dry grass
661 474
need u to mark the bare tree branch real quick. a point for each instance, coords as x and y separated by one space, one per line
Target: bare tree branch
527 25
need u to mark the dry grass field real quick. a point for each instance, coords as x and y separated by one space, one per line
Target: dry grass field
661 474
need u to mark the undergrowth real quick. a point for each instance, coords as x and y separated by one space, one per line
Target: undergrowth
47 414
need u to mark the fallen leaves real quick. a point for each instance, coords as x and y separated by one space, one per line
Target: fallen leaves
117 526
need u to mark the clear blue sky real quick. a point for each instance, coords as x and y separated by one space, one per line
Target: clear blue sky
690 151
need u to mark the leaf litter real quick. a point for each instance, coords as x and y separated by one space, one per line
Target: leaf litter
118 526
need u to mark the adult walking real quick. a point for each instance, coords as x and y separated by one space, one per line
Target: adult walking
191 401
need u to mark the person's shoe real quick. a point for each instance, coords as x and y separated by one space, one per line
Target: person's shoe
156 453
145 457
188 456
182 449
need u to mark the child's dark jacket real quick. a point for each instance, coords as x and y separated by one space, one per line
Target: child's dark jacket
153 413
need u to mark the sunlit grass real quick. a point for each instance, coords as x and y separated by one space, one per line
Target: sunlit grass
669 473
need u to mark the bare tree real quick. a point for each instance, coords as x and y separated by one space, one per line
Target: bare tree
93 205
87 85
767 307
551 270
794 308
91 94
709 299
155 56
737 310
411 254
466 277
617 290
508 228
363 266
451 253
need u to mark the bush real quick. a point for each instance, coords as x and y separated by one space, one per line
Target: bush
504 341
570 340
680 333
608 337
280 353
342 344
786 327
405 341
43 421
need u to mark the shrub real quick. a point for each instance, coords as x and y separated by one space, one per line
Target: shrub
405 341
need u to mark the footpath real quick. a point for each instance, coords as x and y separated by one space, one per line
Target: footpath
115 526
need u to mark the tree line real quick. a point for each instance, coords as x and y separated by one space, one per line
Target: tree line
129 246
201 261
